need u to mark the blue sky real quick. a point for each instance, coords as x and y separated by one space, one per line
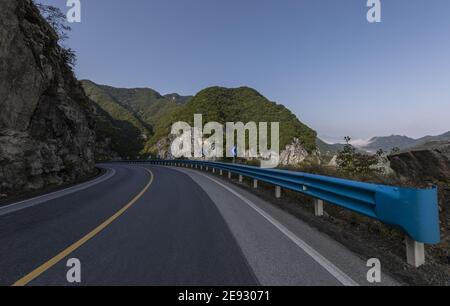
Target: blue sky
321 58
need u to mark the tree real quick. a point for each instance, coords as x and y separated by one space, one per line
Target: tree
395 150
57 20
355 163
69 56
346 157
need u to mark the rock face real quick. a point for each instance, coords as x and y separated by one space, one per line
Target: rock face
163 148
429 162
293 154
103 151
46 130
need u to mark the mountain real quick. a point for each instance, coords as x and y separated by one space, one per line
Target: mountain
242 104
328 149
402 142
439 138
146 104
177 98
116 124
46 122
388 143
127 116
138 121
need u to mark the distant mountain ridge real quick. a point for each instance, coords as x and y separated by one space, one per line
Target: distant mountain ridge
387 143
327 148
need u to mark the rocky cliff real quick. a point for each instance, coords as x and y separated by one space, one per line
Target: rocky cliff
293 154
430 162
46 130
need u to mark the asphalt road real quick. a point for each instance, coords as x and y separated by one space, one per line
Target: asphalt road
167 226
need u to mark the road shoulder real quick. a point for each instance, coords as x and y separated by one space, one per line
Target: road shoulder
347 261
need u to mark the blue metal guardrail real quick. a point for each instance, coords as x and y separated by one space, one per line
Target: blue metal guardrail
415 211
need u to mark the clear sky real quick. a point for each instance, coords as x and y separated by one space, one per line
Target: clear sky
321 58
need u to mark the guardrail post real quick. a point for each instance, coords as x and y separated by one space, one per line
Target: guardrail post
229 174
214 170
318 207
415 252
278 192
207 168
241 178
221 172
255 183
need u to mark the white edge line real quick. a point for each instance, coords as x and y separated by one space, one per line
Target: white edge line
325 263
4 210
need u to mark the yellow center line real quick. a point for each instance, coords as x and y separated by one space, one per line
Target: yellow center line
44 267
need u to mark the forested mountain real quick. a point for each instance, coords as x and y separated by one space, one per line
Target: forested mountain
219 104
145 111
146 104
127 116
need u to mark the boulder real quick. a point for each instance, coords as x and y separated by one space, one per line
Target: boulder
293 154
429 162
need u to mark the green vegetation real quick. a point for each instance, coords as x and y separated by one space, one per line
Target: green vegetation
354 163
127 132
136 119
58 21
146 104
126 139
127 116
242 104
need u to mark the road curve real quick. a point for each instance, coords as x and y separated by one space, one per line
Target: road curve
163 226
